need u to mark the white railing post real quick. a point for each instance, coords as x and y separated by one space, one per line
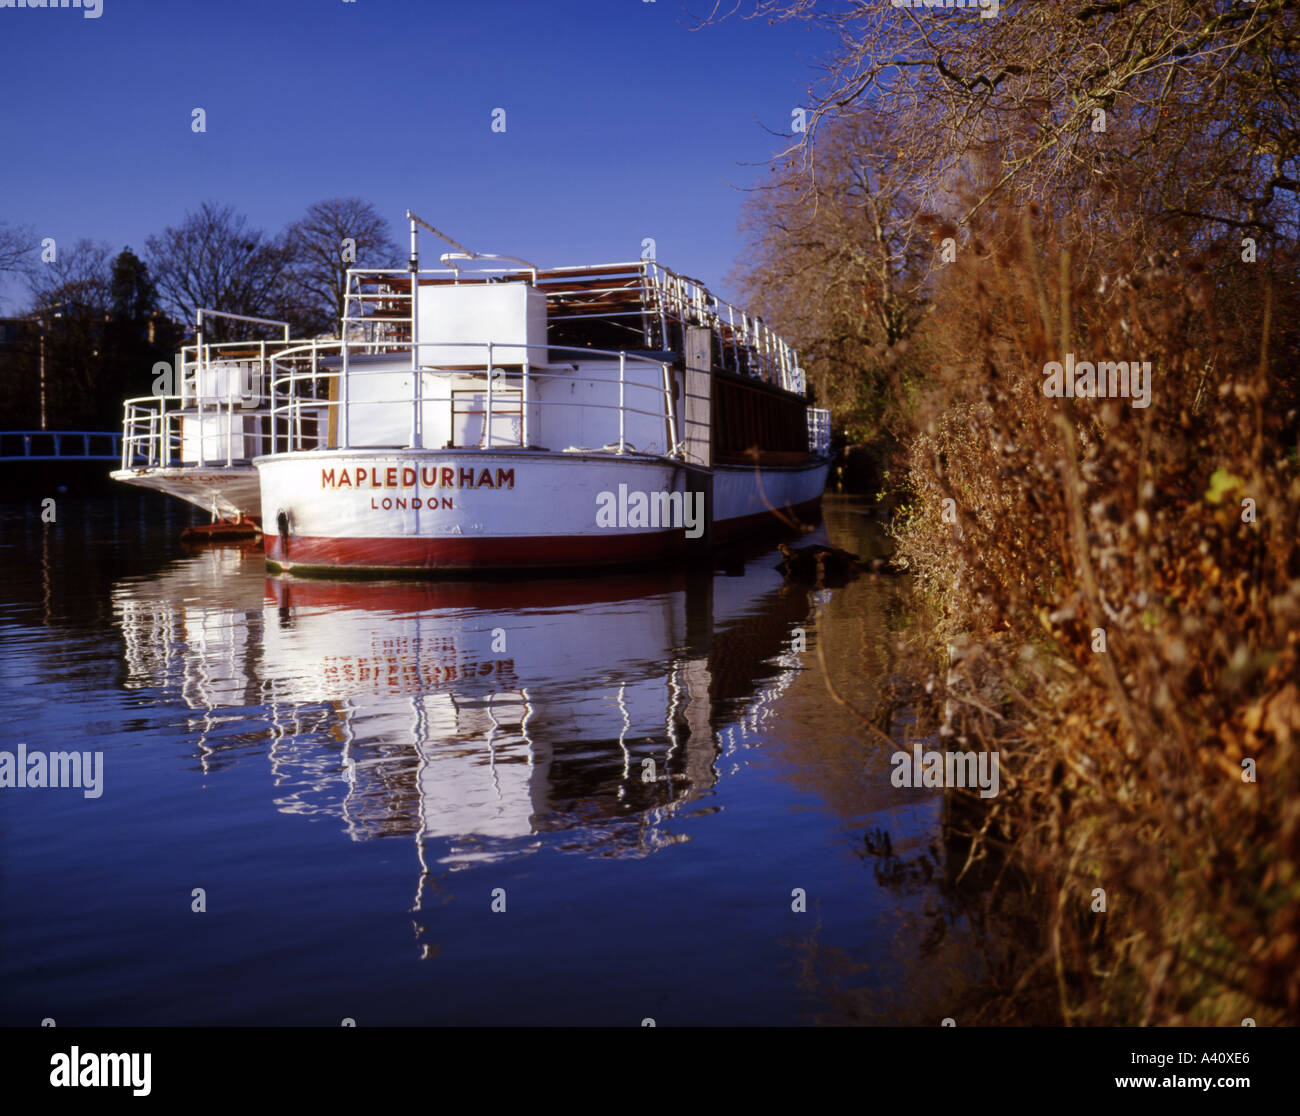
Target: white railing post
261 396
523 406
661 285
487 419
343 392
417 417
622 414
735 348
315 372
668 411
230 419
198 401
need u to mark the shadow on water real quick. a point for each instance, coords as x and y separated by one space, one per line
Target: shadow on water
577 800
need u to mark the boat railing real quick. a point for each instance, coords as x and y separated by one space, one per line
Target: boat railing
649 303
319 396
151 432
171 431
745 344
819 431
216 412
220 409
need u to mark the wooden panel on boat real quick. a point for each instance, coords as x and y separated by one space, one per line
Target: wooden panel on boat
751 414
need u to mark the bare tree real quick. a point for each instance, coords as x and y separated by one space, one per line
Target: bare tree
1141 128
71 297
334 235
17 244
839 262
1202 95
214 259
77 281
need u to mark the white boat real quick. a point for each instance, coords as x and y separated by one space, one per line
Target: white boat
490 414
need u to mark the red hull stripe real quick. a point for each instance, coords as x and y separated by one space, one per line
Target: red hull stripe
539 552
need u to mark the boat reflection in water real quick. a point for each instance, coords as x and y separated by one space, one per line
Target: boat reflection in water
478 719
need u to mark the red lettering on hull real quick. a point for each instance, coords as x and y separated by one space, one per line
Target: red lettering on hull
408 476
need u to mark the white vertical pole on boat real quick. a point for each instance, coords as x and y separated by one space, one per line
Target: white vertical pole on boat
622 414
198 376
523 406
259 389
735 348
668 410
644 295
341 428
315 392
230 418
270 408
418 380
487 419
661 289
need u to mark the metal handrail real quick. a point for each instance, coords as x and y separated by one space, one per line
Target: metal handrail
151 435
151 424
288 402
664 293
57 440
819 431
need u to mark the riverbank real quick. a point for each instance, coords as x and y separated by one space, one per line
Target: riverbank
1113 602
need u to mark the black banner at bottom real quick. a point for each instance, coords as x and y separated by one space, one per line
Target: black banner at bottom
932 1064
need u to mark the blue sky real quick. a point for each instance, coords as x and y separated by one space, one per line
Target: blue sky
622 121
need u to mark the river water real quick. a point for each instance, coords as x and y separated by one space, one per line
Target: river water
560 801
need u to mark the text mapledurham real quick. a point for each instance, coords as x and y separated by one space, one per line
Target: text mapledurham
407 476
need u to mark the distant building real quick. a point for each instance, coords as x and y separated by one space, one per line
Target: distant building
16 331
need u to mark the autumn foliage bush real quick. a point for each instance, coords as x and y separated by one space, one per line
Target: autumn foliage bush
1118 592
